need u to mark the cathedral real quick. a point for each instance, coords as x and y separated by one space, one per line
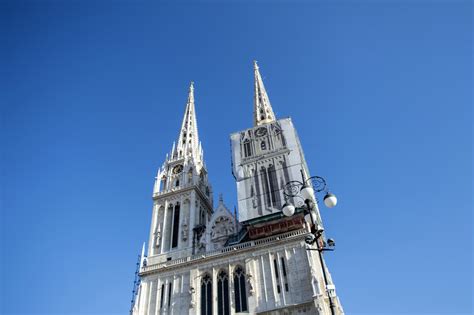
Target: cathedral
205 259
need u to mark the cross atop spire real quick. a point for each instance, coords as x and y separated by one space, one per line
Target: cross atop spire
262 109
188 140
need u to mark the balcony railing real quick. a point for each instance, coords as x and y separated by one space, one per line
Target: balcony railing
223 251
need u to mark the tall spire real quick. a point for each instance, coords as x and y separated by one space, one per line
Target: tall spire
262 109
188 140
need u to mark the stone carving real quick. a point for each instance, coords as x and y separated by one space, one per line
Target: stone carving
192 304
202 242
157 236
223 226
249 281
184 229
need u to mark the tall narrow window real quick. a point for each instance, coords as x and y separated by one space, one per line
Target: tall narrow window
263 145
283 267
266 192
274 190
163 184
223 294
257 188
168 229
162 295
174 241
247 149
170 289
206 295
275 265
240 293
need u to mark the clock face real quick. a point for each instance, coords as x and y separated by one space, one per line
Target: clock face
177 169
261 132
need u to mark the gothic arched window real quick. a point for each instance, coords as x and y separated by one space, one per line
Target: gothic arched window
206 295
263 145
163 183
266 186
162 295
170 290
202 216
275 265
274 190
283 267
168 228
247 148
240 292
223 294
174 240
176 183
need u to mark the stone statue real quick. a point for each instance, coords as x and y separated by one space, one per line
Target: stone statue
157 236
184 229
249 281
193 302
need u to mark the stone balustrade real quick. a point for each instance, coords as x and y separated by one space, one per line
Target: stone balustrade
221 252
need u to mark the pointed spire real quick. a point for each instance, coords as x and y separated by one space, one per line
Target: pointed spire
262 109
188 139
172 149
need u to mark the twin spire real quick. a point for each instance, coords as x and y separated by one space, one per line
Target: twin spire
262 109
188 140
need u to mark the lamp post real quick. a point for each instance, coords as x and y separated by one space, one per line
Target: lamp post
305 191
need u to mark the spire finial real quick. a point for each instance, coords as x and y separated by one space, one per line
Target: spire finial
255 65
188 140
221 198
262 111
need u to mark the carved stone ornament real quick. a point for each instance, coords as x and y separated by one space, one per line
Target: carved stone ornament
157 236
192 304
223 227
184 229
249 281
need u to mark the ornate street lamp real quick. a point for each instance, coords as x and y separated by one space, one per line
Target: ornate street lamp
304 192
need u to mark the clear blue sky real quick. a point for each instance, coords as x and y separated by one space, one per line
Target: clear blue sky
92 96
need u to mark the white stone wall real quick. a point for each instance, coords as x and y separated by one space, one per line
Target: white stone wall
303 276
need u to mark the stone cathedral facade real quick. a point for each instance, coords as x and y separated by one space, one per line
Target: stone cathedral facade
204 259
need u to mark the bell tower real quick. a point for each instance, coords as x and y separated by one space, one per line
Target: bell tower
265 158
182 194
